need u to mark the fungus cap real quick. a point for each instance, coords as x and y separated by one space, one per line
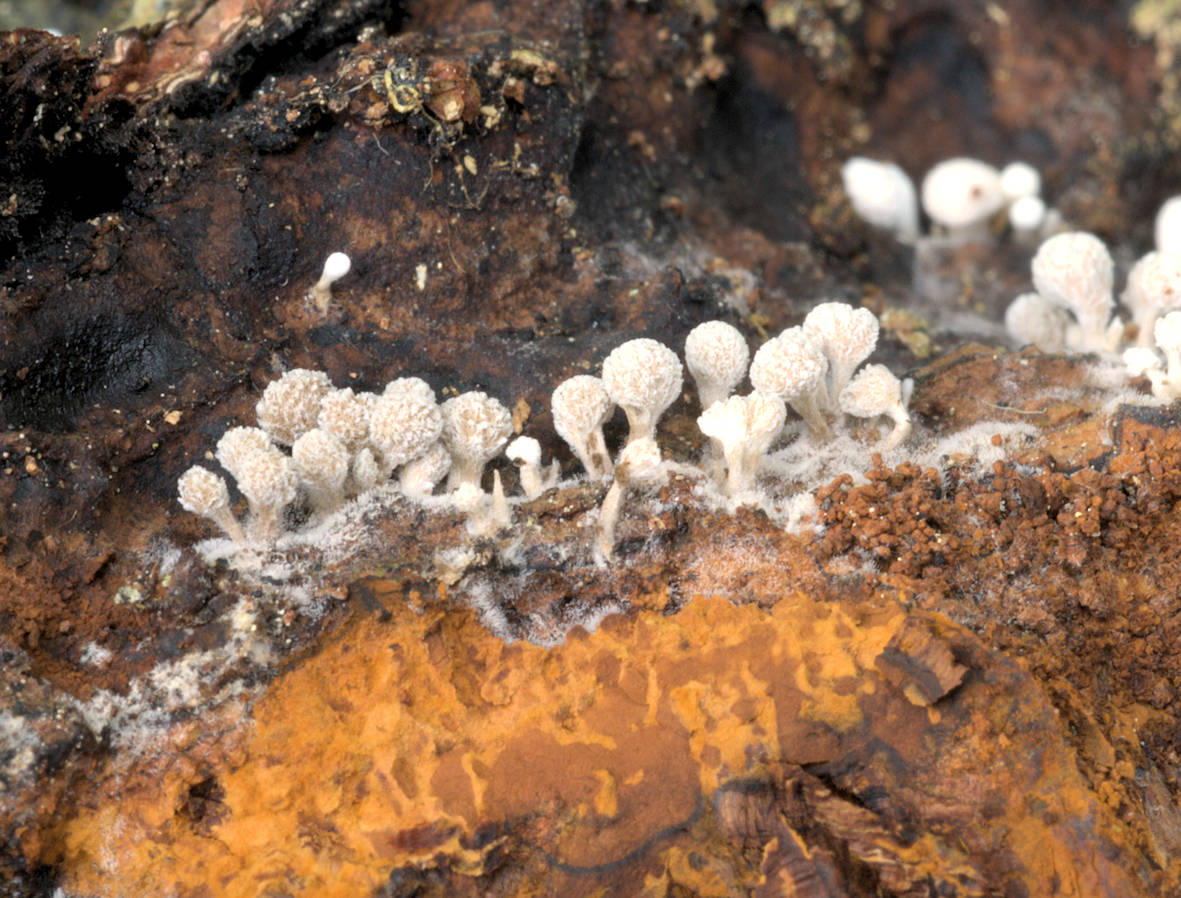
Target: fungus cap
580 405
1075 270
1027 213
847 335
1033 319
202 492
789 365
717 356
1020 179
421 475
290 405
525 450
475 426
1154 282
321 459
267 479
960 193
237 442
415 385
1167 228
643 374
336 266
882 194
403 425
874 391
345 415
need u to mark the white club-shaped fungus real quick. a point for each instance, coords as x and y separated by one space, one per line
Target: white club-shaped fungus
321 460
1153 288
336 266
345 415
847 336
290 405
421 475
580 406
1167 228
268 481
644 378
638 462
745 426
882 194
1020 179
204 493
475 428
792 366
526 452
238 442
961 196
717 356
877 391
1032 319
1074 270
402 426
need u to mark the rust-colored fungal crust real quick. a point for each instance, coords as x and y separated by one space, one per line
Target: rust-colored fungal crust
414 740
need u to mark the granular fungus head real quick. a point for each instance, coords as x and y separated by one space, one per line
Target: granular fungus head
204 493
792 366
643 377
268 481
475 428
877 391
580 406
846 335
237 442
290 405
403 425
321 461
717 356
346 415
1075 271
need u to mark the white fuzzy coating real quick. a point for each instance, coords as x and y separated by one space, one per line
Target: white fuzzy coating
959 193
475 427
1075 270
346 416
882 194
267 480
874 391
237 442
415 385
580 405
525 450
1032 319
788 366
421 475
744 421
404 425
321 459
1167 332
290 405
717 356
336 266
847 335
1140 359
643 374
1027 213
1020 179
1154 283
202 492
1167 228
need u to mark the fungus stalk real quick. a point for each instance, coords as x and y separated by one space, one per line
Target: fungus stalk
580 406
639 462
745 426
204 493
336 266
644 378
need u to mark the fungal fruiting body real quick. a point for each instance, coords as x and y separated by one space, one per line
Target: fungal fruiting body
1153 288
745 426
1027 215
639 462
961 196
526 451
717 357
475 427
269 483
204 493
1167 227
345 415
420 476
1075 271
402 426
580 406
290 405
644 378
846 335
336 266
882 194
877 391
792 366
1019 180
1032 319
321 461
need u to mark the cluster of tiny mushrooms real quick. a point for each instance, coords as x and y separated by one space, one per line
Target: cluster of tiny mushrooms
324 445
